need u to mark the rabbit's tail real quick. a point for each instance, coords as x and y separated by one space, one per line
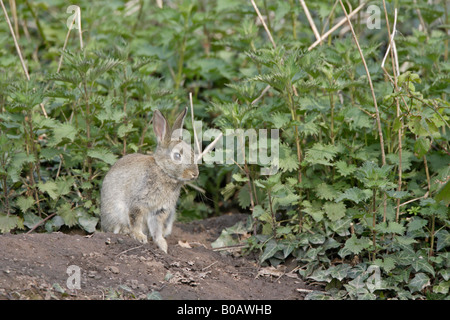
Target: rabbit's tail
115 218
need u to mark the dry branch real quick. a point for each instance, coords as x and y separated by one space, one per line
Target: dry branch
263 23
19 52
310 20
377 112
337 26
197 143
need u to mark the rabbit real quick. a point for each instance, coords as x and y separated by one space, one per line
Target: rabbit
140 192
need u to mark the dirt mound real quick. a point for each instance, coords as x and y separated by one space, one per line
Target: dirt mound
109 266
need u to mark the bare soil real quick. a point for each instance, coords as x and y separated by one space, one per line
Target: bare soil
35 266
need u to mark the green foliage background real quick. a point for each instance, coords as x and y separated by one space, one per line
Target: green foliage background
332 206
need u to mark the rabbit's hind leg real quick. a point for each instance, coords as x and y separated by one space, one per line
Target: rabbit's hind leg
155 222
137 224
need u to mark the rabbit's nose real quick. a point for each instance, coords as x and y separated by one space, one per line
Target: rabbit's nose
194 175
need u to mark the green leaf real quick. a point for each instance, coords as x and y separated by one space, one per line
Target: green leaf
154 295
244 197
321 275
344 169
442 287
391 227
417 224
318 295
9 222
313 210
443 194
388 264
269 251
419 282
50 187
286 199
24 203
288 160
354 194
334 211
443 239
88 223
325 191
229 190
421 264
421 147
69 216
239 178
355 245
321 154
63 131
373 176
103 154
30 220
340 271
124 129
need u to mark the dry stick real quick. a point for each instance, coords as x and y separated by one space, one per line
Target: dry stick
41 222
12 6
396 73
262 94
25 70
337 26
263 23
193 126
65 44
377 112
209 147
77 16
310 20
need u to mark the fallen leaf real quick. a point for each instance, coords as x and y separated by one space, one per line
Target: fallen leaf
184 244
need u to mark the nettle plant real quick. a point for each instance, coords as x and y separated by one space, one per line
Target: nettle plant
352 222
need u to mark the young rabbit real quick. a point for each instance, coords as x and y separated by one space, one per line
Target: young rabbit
140 192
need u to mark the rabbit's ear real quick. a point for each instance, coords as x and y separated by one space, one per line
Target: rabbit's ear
178 124
159 126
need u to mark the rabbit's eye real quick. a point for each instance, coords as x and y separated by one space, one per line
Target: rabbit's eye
176 156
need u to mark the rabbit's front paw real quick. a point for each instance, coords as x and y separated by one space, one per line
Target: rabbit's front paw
139 236
162 244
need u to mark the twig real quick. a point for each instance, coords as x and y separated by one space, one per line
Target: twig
40 222
377 112
392 43
304 290
231 248
412 200
76 17
261 95
310 20
197 143
263 23
79 27
193 186
209 147
337 26
65 44
207 267
129 250
396 73
19 52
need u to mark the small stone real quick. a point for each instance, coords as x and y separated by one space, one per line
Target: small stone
113 269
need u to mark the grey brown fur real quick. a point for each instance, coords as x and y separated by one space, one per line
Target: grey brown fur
140 192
